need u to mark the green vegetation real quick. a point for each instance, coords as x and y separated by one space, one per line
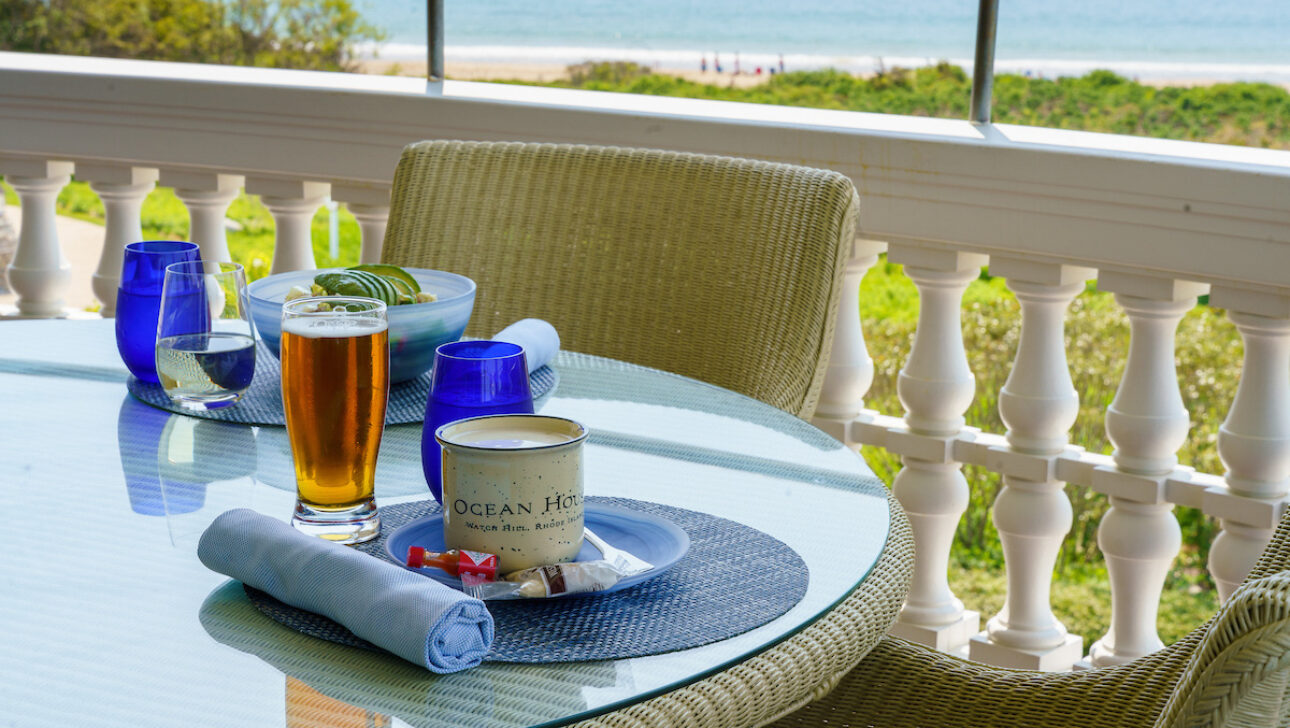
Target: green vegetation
1097 336
250 241
310 34
1251 114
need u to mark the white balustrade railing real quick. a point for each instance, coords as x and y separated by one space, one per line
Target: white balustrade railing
1156 222
1038 404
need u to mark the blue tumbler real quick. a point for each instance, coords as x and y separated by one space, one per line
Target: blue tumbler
471 379
138 300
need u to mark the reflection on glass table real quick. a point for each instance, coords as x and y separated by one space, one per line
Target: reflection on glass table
168 460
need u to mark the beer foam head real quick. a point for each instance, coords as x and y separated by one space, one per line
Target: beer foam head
333 327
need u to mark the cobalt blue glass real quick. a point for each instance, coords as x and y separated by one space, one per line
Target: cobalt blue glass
168 460
138 300
471 379
140 429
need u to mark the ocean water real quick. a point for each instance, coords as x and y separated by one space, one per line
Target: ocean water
1142 38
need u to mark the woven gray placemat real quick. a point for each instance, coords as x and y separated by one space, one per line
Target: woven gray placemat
261 404
733 579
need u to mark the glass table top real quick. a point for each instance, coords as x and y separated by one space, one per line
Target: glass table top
109 619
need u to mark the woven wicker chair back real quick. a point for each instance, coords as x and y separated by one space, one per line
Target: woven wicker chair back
726 270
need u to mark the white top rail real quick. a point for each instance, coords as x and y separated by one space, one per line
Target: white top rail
1220 214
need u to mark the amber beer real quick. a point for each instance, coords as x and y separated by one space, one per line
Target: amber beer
335 383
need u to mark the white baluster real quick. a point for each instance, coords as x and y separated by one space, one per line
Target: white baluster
370 207
371 220
1147 423
1254 440
293 204
850 370
207 196
8 244
39 273
1038 403
935 386
122 190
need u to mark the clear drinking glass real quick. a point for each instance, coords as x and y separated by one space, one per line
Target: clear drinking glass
335 385
138 300
205 353
471 379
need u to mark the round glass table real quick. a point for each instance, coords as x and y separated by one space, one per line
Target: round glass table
110 620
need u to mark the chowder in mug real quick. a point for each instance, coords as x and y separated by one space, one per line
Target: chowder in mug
512 486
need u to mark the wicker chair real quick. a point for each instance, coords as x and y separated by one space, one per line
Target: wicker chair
1232 671
725 270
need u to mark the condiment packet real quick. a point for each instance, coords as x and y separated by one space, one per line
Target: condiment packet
557 579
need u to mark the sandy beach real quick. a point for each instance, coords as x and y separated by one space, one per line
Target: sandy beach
546 72
540 72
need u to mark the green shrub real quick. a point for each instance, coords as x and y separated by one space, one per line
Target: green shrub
1254 114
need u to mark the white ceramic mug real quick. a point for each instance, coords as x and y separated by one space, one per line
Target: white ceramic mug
512 486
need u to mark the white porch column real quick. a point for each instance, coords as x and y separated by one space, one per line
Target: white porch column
1038 404
207 196
850 370
122 190
293 204
935 386
39 273
1254 440
1147 423
370 207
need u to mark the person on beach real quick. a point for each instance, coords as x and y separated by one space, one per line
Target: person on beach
736 64
716 62
781 63
703 64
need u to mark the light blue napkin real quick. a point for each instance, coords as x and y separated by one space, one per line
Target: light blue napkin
539 339
412 616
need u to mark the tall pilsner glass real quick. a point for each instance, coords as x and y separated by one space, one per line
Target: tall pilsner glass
335 383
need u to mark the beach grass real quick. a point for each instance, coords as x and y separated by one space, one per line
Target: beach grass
1250 114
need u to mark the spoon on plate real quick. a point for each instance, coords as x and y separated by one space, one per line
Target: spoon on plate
625 562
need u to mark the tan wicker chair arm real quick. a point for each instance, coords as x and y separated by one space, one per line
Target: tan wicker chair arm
1238 673
903 684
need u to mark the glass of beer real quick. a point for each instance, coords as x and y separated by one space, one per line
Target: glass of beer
335 383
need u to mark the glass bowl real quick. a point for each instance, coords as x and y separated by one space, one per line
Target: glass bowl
416 329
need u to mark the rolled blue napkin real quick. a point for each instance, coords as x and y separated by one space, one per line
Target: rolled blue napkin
538 338
416 618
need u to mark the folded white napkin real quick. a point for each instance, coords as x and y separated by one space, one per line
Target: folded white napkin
539 339
416 618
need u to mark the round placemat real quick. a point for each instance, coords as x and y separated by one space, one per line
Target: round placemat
261 404
733 579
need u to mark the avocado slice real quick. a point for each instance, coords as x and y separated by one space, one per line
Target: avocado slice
390 271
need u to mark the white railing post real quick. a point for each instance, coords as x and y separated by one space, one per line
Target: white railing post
1038 403
370 207
850 370
122 190
39 273
372 220
935 386
8 243
1254 440
207 196
1147 423
293 204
